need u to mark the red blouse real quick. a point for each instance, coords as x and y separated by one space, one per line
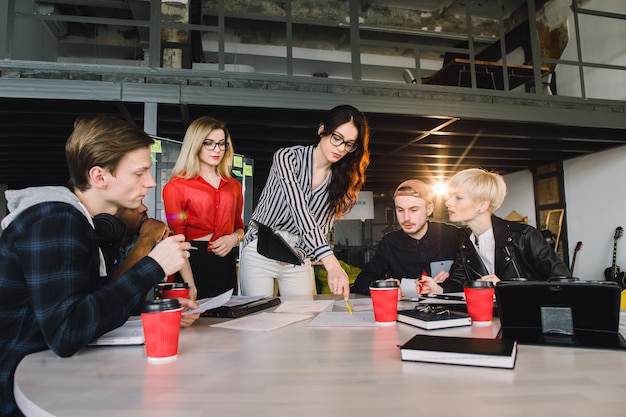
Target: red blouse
195 208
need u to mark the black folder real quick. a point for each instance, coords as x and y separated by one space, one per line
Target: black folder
243 309
272 245
572 314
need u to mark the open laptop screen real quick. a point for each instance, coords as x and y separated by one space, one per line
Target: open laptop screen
573 313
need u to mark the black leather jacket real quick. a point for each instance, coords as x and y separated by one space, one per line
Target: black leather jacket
521 252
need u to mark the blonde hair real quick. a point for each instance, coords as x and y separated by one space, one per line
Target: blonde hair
481 185
188 163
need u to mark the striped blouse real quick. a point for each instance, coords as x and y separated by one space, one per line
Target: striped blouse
288 203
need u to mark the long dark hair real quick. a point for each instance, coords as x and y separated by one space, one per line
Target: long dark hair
348 174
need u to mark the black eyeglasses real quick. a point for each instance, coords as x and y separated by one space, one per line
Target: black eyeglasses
432 309
337 141
210 145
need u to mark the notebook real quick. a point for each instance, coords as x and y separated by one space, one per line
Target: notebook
573 313
274 246
469 351
243 309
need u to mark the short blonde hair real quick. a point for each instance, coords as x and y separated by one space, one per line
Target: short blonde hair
188 162
481 185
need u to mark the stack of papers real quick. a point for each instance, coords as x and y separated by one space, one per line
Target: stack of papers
130 333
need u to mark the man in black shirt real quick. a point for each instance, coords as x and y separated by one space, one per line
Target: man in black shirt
414 250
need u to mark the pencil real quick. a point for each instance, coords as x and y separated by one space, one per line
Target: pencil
349 306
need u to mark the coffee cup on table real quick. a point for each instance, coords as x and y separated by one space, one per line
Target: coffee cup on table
161 328
479 298
174 290
385 301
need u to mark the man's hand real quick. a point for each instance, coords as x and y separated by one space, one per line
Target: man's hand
171 253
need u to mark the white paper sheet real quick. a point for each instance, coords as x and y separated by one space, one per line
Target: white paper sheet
209 303
263 322
341 319
303 306
407 286
357 304
130 333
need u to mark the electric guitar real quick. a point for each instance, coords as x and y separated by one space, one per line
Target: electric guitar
579 246
613 273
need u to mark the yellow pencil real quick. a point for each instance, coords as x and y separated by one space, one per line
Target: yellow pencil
349 306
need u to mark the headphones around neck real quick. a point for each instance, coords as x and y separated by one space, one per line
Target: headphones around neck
109 228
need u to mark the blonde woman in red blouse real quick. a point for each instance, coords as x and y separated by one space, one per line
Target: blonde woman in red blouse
203 202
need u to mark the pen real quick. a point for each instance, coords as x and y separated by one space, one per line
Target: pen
421 283
447 297
349 306
172 233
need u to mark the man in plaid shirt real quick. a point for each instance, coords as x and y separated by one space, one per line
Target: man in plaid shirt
54 290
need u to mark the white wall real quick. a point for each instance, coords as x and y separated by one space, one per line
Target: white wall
595 192
519 197
595 195
597 45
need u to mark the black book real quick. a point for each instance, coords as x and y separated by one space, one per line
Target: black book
272 245
493 353
434 318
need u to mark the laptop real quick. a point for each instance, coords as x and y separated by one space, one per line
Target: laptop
561 313
272 245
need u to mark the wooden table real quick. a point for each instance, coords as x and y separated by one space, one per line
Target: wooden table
304 371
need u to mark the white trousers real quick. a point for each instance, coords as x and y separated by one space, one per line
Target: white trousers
257 273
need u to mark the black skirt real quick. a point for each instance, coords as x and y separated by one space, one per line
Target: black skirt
212 274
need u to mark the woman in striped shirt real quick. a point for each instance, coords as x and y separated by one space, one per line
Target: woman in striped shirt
307 189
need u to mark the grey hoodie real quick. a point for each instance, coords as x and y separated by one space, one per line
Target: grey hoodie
20 200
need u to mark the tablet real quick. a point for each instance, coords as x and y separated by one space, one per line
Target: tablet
574 314
272 245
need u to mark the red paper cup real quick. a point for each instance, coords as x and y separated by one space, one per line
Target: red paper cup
385 302
479 298
161 328
174 290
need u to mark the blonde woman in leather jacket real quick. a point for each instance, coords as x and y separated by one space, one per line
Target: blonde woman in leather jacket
490 248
